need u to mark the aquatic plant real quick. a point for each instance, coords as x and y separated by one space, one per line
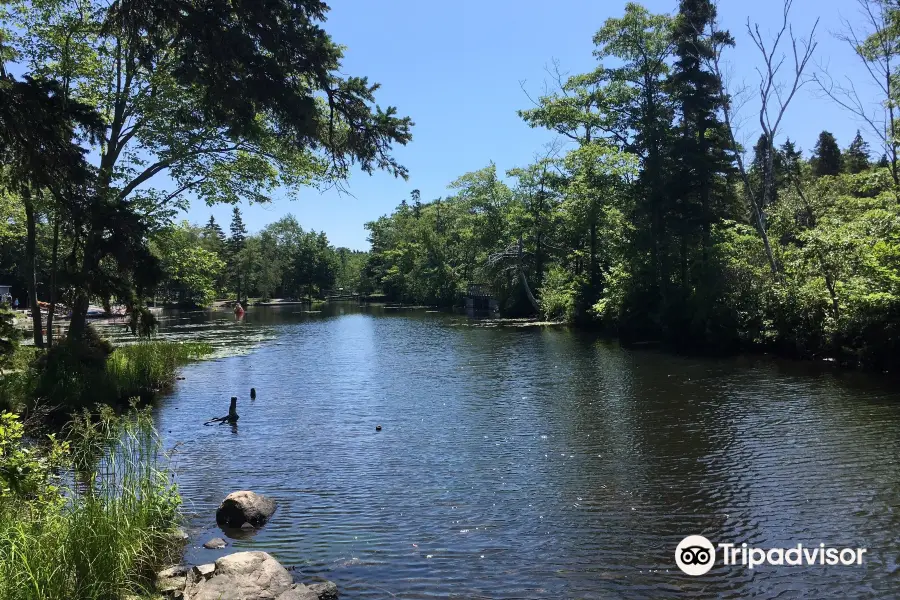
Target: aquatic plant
147 367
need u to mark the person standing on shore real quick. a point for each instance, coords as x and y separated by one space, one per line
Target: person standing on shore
16 304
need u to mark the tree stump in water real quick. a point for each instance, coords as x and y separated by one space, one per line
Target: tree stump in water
232 416
232 411
253 393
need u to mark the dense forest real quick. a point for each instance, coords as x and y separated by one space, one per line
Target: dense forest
655 222
202 263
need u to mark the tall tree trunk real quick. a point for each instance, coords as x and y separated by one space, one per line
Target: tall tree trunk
30 268
81 303
53 266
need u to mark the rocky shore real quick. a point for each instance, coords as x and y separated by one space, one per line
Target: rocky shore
242 575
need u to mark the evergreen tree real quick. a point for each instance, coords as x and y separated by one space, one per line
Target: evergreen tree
857 158
417 204
701 150
790 157
826 159
236 244
238 231
214 231
883 162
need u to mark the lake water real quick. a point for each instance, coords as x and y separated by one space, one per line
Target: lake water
529 462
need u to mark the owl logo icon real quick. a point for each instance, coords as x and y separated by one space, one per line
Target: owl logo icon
695 555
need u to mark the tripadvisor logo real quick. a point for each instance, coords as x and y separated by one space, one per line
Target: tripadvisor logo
696 555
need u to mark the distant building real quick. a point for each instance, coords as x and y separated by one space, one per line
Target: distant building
4 290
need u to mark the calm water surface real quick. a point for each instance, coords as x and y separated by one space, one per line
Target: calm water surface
529 463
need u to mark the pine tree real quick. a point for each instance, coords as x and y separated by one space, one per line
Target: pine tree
791 156
235 245
857 158
417 204
826 159
213 230
758 166
883 162
238 231
702 150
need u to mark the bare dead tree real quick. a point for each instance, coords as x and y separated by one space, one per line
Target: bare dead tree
878 48
776 91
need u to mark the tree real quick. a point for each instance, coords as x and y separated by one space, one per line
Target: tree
701 150
856 158
417 203
230 100
827 158
190 270
236 243
637 92
214 232
877 45
776 93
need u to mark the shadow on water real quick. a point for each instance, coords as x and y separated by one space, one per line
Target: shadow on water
529 463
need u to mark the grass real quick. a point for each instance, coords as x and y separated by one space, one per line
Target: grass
148 367
92 517
76 375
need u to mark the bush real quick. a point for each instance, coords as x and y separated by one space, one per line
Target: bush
558 295
102 533
80 373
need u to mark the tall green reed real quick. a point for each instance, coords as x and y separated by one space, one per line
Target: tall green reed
108 524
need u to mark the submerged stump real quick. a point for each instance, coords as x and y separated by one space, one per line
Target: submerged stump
232 416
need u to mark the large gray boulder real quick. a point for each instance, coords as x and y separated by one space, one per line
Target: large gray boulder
243 507
241 576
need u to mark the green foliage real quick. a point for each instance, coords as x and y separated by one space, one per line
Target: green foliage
142 369
638 227
190 270
558 295
9 338
28 473
210 93
102 530
78 373
428 256
857 158
827 158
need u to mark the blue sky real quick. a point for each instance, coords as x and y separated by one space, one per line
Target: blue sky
456 68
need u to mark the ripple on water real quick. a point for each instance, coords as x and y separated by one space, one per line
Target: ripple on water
529 463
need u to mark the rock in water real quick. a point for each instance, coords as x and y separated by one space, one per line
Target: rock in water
215 544
249 576
325 591
243 576
316 591
245 507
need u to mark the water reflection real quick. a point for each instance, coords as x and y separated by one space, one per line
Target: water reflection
529 462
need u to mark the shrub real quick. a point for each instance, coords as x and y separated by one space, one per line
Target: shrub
558 295
80 373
